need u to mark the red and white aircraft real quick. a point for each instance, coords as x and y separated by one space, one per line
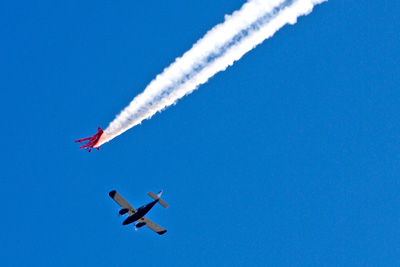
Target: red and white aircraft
92 141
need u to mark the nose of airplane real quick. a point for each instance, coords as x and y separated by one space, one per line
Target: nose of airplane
127 221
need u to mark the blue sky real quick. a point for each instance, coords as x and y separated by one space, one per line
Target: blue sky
290 157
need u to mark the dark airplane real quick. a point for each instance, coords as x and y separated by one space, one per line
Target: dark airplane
138 215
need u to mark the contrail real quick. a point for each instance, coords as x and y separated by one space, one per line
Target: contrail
226 43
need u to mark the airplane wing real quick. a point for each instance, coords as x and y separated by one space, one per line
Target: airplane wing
153 226
122 202
84 139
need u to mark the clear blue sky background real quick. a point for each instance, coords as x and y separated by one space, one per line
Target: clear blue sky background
288 158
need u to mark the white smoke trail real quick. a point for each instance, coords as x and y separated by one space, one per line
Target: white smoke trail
226 43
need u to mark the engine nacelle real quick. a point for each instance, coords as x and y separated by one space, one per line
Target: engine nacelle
123 211
141 224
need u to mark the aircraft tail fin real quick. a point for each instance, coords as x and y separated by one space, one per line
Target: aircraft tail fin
158 196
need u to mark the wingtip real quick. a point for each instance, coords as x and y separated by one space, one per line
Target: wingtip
112 193
162 232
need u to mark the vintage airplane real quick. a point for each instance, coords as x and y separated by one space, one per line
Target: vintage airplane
137 216
92 141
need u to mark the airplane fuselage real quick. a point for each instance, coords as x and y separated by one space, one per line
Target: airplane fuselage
140 213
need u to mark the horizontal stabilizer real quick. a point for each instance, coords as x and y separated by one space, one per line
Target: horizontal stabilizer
162 202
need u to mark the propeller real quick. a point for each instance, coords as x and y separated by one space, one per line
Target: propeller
123 211
119 213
